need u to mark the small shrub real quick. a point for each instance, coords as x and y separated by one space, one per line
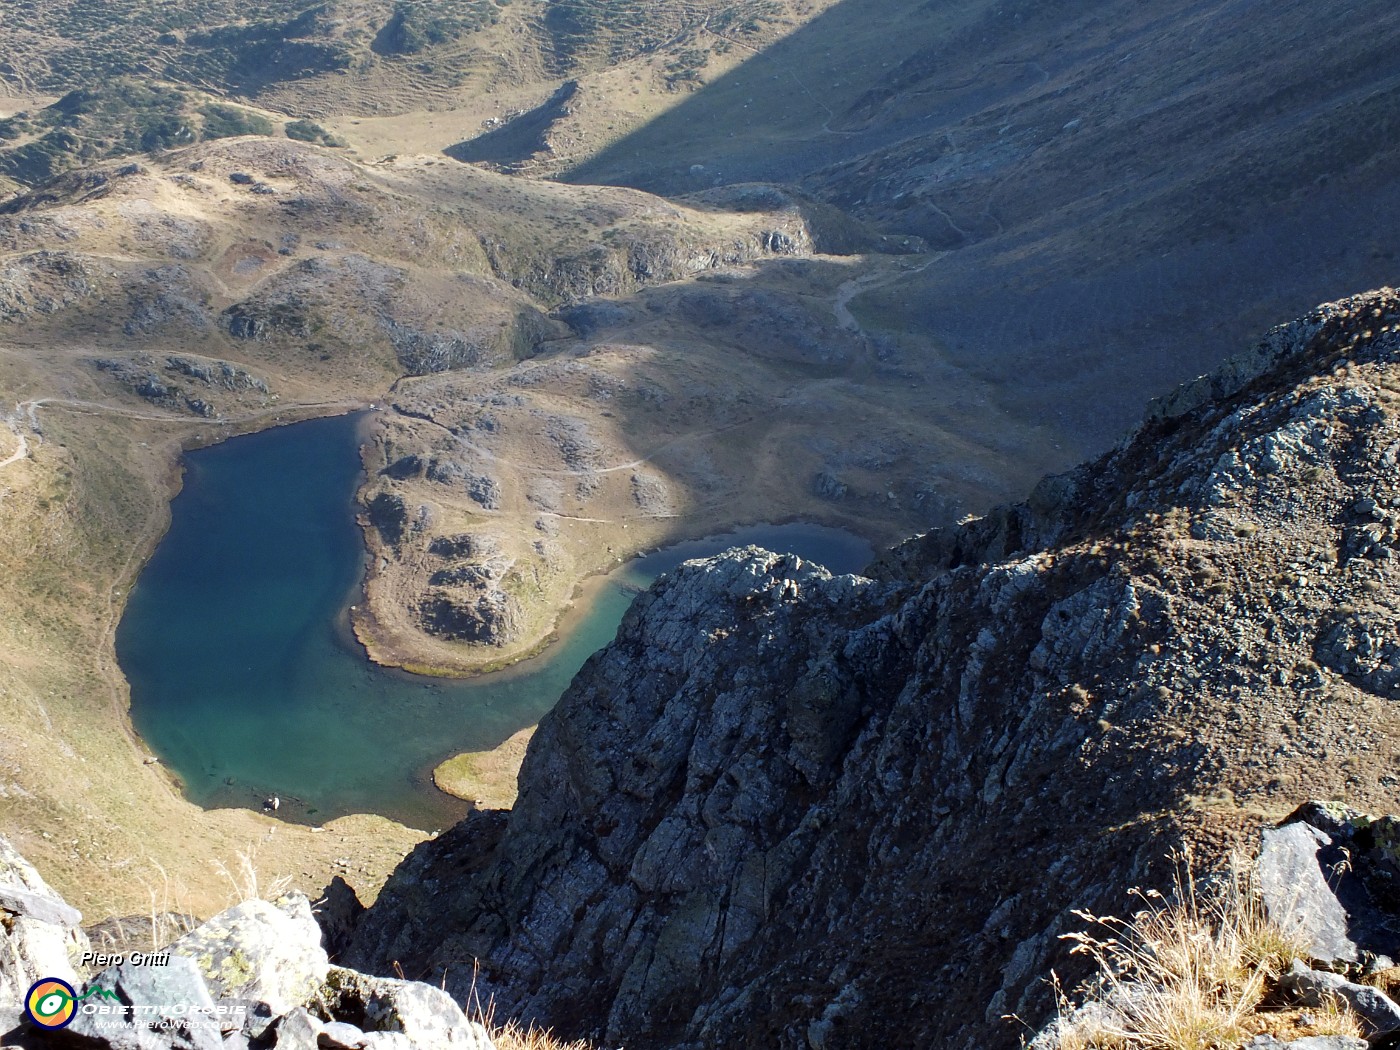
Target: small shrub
310 131
222 122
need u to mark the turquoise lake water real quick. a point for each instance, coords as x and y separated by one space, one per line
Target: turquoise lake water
244 679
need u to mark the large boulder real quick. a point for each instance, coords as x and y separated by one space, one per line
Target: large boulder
1293 871
1307 987
427 1016
148 1007
1328 873
299 1031
266 952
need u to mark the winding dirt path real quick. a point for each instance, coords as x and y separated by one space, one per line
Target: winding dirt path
20 453
866 282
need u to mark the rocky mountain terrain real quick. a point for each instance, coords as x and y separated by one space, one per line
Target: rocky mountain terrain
790 809
255 975
1104 175
566 377
542 396
615 273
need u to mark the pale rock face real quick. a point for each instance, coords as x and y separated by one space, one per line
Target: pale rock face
170 994
299 1031
1317 988
1294 884
254 975
390 1011
39 934
266 952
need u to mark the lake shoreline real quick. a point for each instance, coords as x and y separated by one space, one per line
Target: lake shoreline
247 681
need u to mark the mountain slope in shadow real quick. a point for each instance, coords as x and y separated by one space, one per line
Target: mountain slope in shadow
1100 175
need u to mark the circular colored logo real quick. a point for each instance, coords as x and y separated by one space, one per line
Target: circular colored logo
49 1003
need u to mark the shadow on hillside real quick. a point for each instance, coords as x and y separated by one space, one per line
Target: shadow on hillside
1133 192
807 101
518 140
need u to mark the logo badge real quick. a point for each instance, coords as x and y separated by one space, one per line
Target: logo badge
50 1003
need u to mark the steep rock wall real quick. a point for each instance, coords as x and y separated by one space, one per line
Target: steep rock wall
790 810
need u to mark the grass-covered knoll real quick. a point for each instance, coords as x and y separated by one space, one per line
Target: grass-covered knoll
87 125
214 43
310 131
416 26
245 57
123 118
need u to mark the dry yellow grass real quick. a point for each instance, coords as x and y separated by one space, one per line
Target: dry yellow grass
513 1037
1189 972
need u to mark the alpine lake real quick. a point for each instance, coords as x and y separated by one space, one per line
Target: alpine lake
247 683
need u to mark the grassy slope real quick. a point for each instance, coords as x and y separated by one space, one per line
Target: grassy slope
734 388
123 118
1127 194
1090 264
387 91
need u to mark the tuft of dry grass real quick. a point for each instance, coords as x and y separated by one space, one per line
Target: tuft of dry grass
247 882
1187 972
167 917
168 914
512 1035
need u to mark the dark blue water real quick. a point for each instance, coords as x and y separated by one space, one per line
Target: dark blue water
246 683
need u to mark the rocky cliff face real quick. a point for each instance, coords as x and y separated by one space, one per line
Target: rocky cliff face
790 810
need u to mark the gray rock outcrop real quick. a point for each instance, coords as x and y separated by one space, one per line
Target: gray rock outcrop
39 934
1309 987
45 282
785 809
484 614
1329 873
425 1015
140 1007
388 513
1293 881
266 952
255 975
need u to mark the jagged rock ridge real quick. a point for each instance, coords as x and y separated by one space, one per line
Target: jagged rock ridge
789 810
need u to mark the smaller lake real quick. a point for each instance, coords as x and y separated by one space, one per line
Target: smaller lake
242 677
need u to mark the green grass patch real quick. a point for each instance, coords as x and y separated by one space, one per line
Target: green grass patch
120 119
310 131
223 122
